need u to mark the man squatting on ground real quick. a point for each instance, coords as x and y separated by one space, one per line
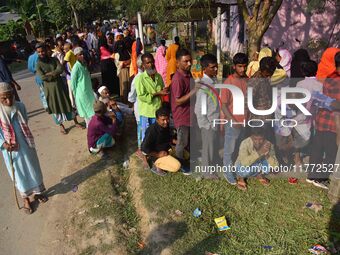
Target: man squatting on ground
156 145
101 130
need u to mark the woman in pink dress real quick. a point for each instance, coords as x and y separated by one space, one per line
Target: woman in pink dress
160 61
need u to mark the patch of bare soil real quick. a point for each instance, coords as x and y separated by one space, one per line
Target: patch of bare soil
154 235
79 232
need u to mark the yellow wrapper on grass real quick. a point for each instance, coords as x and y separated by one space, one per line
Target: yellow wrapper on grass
222 224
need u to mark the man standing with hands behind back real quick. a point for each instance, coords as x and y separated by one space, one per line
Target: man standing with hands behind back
150 89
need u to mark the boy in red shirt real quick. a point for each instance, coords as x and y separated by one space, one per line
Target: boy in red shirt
235 132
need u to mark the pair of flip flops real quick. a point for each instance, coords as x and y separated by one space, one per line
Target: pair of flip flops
40 198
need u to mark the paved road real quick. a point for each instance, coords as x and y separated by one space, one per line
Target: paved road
21 233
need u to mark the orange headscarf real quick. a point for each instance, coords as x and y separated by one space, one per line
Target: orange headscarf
327 63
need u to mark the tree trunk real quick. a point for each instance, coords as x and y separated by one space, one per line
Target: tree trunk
257 21
41 23
76 18
254 44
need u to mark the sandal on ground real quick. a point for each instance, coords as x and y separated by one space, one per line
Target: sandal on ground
158 171
210 177
264 181
79 126
41 198
63 129
241 185
27 209
142 157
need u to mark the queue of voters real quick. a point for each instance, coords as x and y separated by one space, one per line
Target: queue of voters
171 107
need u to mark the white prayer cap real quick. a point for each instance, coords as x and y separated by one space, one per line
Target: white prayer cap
5 87
100 90
77 50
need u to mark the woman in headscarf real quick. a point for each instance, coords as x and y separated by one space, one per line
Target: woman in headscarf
108 67
124 65
160 61
137 48
254 66
282 71
279 74
299 56
284 58
171 58
327 63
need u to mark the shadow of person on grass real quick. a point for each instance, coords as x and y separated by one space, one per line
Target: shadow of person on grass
163 237
72 181
209 244
334 228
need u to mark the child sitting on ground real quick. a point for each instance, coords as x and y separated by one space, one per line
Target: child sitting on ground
104 94
113 107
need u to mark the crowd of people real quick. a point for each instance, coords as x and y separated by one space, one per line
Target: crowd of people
253 150
160 91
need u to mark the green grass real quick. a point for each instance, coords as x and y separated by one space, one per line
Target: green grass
275 216
263 216
17 66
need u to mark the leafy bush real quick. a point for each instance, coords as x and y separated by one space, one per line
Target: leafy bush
11 29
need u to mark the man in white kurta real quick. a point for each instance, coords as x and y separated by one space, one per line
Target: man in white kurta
16 141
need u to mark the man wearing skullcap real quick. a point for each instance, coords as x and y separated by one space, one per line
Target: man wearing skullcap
101 129
82 86
18 148
104 94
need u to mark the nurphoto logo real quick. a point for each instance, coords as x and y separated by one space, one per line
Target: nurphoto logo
239 105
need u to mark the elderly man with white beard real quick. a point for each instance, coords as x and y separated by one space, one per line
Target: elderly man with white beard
150 89
18 148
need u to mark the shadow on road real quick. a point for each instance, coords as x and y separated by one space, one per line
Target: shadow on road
72 181
37 112
125 146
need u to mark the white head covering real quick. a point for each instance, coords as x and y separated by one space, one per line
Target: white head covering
101 89
77 50
5 87
286 60
80 35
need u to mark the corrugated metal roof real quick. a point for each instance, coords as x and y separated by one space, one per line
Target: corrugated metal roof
5 17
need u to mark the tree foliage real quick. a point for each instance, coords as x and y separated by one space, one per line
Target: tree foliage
46 16
318 6
163 11
11 30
